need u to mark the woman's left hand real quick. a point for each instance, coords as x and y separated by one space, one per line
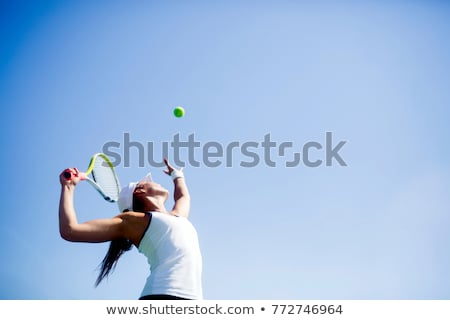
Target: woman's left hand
170 168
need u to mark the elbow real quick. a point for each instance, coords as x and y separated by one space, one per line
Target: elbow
182 197
67 233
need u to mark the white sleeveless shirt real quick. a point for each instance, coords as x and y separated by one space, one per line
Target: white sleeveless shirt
171 246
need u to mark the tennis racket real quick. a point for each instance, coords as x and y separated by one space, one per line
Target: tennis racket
103 177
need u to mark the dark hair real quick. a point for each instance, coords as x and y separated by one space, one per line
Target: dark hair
116 248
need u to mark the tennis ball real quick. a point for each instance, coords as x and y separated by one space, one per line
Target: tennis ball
178 112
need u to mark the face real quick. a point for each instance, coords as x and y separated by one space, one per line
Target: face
145 193
150 189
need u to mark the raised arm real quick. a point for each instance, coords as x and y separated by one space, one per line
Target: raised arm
99 230
181 194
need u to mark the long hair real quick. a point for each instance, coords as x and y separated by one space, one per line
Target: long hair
116 248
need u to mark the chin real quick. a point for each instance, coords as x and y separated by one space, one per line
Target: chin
166 195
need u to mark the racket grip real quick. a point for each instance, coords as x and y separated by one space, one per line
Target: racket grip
82 175
68 174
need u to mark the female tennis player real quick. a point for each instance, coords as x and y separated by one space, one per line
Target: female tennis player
167 238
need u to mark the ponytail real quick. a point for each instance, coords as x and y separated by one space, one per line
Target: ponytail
117 247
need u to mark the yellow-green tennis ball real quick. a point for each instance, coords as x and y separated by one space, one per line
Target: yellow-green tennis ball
178 112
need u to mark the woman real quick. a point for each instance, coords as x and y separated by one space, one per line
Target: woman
166 238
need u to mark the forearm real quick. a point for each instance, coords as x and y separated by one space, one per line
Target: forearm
181 192
181 189
182 198
67 215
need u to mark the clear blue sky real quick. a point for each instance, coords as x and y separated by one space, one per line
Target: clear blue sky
75 75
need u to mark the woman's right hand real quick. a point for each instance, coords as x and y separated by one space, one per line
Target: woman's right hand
73 180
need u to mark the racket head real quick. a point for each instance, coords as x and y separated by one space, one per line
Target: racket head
104 177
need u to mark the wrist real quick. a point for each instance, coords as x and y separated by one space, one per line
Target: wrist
176 174
69 187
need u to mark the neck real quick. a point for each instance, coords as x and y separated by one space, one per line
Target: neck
154 204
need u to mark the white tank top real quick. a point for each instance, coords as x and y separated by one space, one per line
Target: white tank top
172 249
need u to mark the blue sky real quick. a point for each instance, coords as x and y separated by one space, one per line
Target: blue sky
76 75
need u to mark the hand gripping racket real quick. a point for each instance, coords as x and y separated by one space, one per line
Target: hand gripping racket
104 178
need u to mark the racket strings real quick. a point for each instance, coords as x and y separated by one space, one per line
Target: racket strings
105 177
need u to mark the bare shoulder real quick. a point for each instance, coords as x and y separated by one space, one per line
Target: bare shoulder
131 215
179 213
134 224
133 218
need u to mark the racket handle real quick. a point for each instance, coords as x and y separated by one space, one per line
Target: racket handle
68 175
82 175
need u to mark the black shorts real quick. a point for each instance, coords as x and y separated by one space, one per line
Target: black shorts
161 297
